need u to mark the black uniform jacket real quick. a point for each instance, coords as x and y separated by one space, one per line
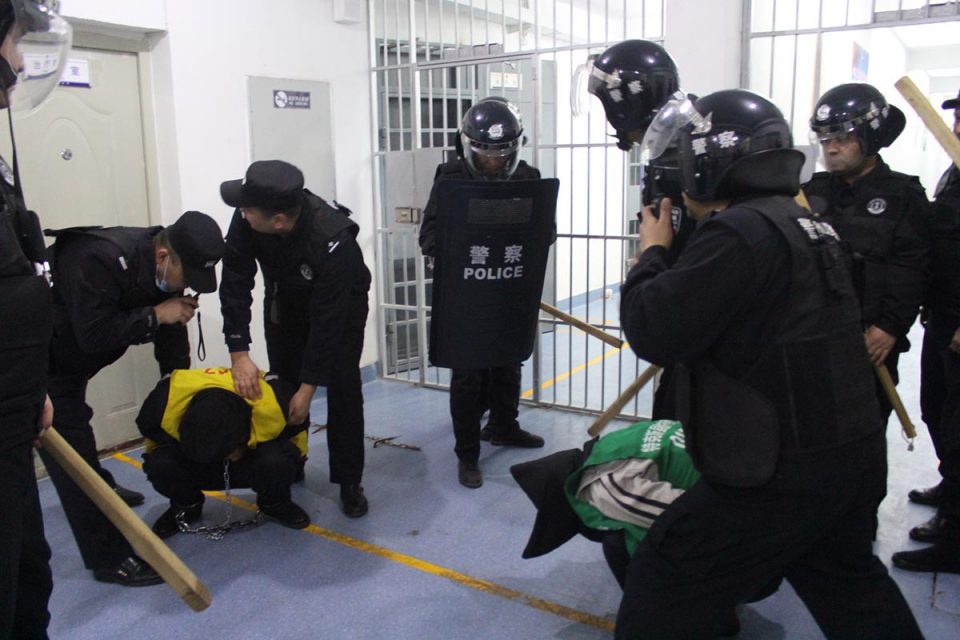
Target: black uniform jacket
456 170
309 278
884 217
944 293
25 324
720 297
104 293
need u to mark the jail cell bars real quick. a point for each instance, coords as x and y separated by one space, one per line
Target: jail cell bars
432 60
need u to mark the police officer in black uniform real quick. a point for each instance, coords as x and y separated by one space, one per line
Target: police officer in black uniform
315 306
488 146
25 329
634 80
881 214
940 381
116 287
775 390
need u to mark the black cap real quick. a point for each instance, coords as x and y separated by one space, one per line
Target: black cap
215 423
198 242
952 104
269 184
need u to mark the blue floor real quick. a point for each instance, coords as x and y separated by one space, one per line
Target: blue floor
432 559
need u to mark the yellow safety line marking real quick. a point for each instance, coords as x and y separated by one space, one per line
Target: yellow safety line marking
563 376
427 567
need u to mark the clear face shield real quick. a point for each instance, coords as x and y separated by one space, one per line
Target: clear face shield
673 116
581 101
821 136
44 45
491 161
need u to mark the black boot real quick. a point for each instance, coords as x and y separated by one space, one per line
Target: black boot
131 497
469 474
166 525
931 496
130 572
942 558
511 437
352 501
288 513
933 530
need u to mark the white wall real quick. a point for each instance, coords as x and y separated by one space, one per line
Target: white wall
703 37
198 70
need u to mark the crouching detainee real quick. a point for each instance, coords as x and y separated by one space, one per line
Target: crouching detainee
202 435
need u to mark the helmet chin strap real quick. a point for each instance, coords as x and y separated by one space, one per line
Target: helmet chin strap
623 142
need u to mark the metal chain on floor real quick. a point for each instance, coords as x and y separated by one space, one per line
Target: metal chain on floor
217 532
378 441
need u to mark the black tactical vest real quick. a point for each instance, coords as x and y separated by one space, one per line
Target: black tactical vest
25 315
810 390
943 296
866 222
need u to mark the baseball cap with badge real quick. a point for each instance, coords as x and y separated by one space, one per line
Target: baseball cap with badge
274 185
198 242
952 103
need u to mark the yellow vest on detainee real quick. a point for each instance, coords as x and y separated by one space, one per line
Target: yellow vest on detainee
267 419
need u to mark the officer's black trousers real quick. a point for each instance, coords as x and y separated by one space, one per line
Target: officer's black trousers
472 392
344 391
718 546
940 404
101 544
269 470
25 579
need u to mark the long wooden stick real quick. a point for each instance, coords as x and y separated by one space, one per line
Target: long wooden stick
144 541
883 374
580 324
930 117
614 409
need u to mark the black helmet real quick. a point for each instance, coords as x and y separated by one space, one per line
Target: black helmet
46 40
492 129
633 79
741 145
860 110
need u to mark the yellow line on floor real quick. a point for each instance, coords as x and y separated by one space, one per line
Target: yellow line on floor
563 376
427 567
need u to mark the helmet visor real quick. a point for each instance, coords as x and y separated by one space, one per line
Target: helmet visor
672 117
581 100
44 57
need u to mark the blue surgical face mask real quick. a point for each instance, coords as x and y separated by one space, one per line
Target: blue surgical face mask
161 281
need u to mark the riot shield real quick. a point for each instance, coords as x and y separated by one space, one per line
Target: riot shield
492 244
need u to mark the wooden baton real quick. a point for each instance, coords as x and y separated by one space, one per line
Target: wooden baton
614 409
144 541
930 117
580 324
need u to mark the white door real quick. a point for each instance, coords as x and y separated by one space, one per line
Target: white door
82 163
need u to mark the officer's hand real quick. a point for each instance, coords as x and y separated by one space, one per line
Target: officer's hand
46 420
300 404
955 342
246 375
176 310
879 344
656 231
